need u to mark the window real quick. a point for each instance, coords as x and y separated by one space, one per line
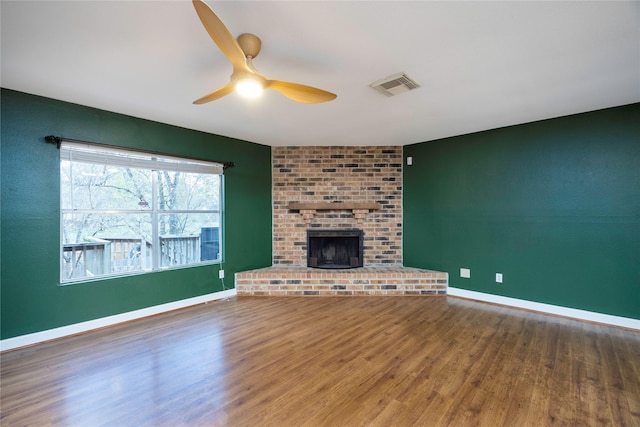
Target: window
124 212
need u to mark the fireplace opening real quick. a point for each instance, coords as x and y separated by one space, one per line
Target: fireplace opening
333 249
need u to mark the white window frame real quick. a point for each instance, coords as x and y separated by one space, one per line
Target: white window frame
112 156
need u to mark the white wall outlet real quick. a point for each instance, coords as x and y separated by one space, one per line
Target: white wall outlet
498 277
221 274
465 272
409 161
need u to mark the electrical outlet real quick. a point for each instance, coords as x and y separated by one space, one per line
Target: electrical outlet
409 161
465 272
221 274
498 277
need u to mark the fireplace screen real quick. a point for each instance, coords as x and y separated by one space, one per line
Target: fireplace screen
335 248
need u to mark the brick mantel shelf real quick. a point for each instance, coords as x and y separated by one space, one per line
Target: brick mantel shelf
308 209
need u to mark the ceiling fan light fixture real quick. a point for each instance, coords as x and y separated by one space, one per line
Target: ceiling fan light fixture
245 79
249 88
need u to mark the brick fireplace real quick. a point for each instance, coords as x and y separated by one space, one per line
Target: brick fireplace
331 188
369 176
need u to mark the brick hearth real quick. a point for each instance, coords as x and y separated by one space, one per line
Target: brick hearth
368 280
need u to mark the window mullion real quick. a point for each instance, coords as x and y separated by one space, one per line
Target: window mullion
155 245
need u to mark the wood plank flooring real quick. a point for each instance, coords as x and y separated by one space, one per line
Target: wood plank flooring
330 361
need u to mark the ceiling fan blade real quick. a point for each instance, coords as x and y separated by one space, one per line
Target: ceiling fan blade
216 94
220 34
301 93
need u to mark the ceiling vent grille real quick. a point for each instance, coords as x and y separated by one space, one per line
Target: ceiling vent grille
395 84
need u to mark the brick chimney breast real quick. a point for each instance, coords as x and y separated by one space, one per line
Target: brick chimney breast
319 174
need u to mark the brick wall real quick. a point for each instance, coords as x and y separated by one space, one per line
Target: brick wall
338 174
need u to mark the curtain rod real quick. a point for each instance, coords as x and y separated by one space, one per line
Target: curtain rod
57 140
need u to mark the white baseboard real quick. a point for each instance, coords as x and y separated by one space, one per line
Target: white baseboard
589 316
51 334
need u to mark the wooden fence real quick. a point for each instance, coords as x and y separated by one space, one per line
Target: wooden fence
121 255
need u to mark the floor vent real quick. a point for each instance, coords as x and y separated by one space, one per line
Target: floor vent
395 84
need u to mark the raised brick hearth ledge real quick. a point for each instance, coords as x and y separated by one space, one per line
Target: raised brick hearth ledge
368 280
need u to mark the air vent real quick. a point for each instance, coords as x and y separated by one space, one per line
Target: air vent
395 84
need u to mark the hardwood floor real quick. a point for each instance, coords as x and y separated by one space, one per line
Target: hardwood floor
330 361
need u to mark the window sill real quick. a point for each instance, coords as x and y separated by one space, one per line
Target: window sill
135 273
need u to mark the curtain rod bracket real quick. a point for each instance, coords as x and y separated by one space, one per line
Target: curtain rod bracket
53 140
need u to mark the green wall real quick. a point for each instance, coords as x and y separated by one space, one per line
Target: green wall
31 298
553 205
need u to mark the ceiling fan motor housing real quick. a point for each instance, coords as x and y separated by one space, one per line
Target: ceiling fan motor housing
249 44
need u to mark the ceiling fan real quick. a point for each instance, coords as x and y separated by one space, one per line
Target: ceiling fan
245 78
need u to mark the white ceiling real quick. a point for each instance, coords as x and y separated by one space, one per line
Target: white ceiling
481 64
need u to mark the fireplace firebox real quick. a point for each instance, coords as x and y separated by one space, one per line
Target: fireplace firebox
333 249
